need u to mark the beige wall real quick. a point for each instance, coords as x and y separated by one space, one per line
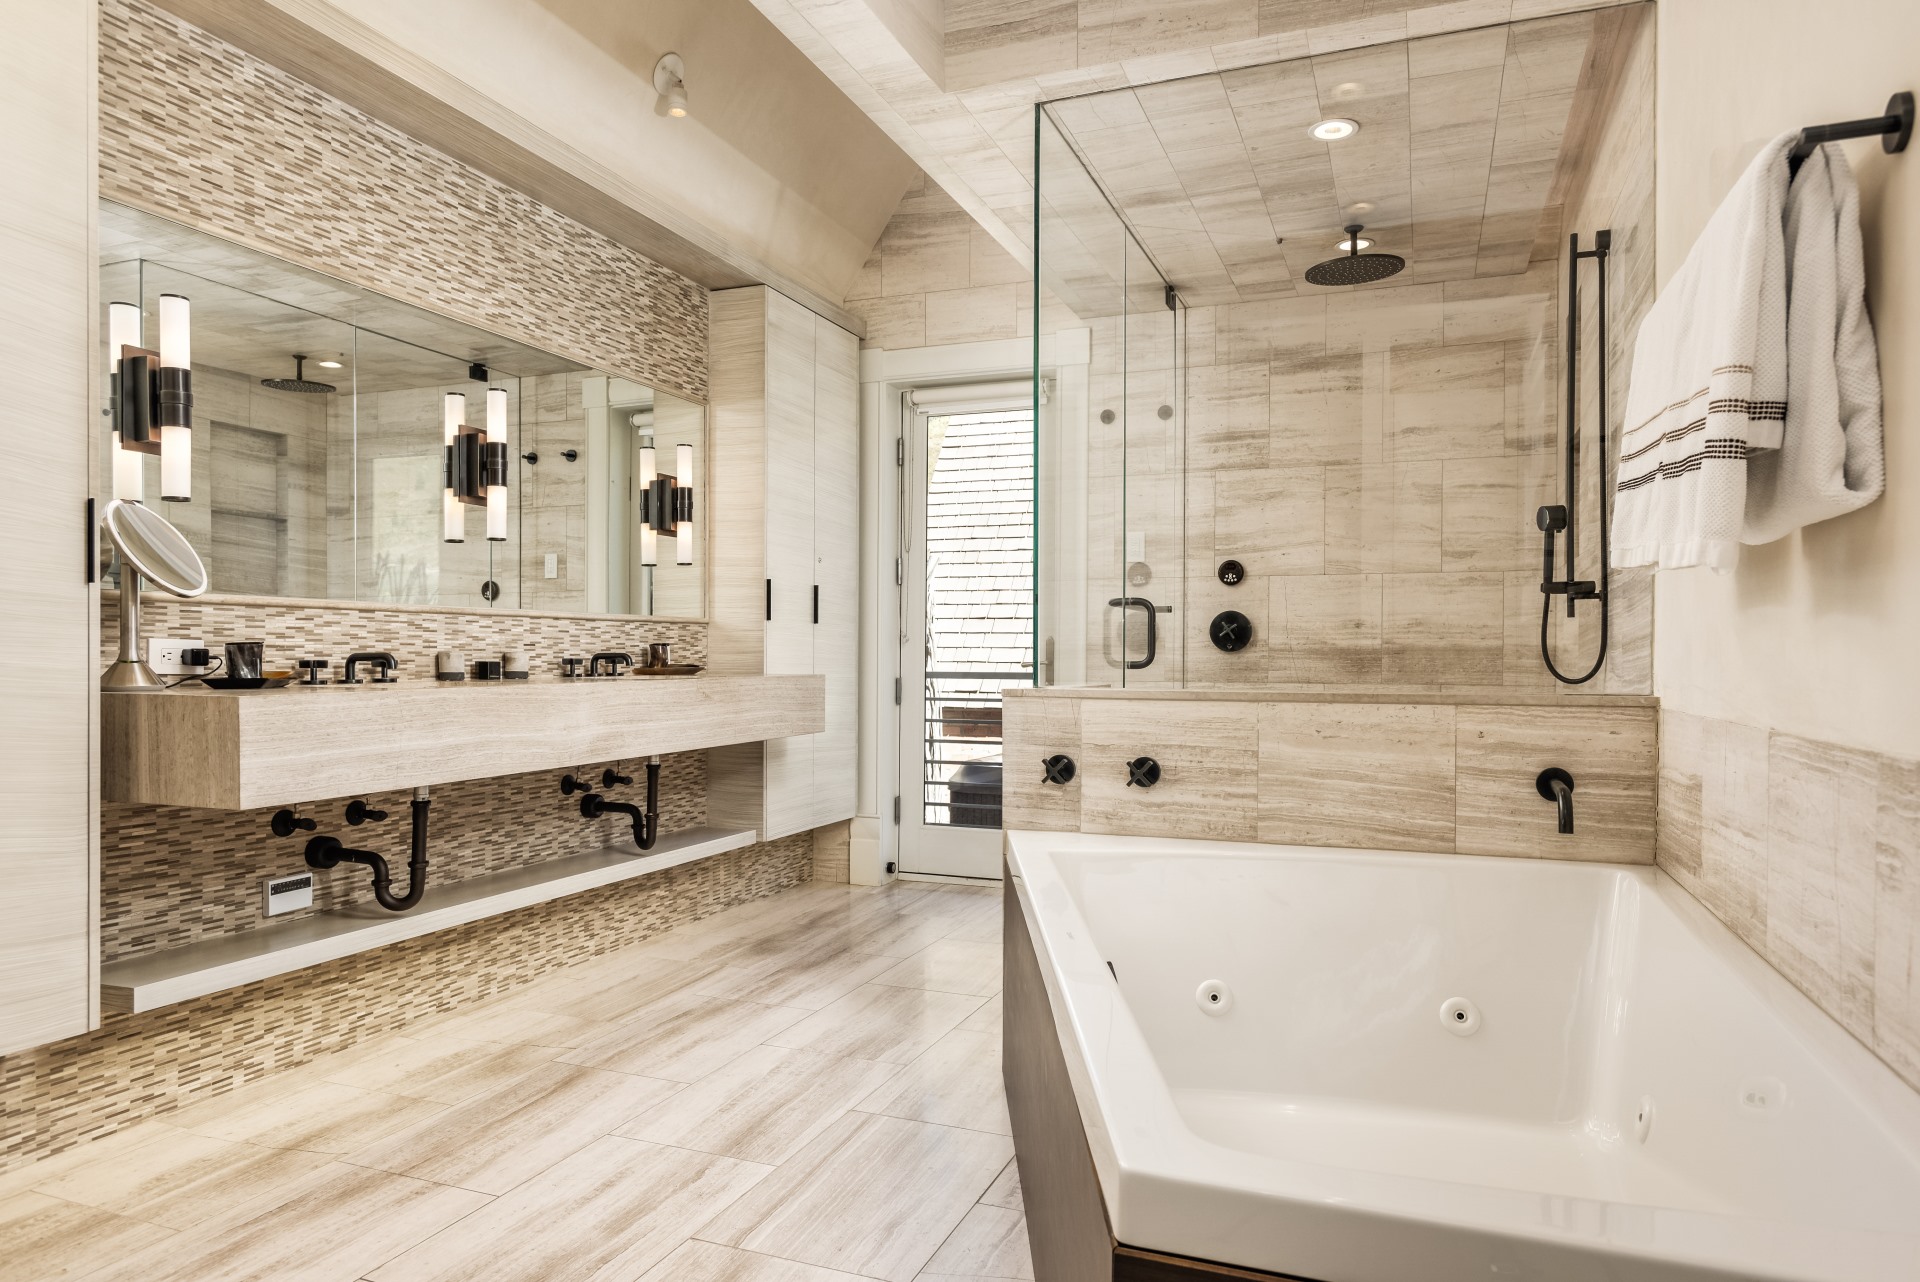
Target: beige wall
1816 634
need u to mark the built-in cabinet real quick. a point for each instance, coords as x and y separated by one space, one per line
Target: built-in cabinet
48 789
784 414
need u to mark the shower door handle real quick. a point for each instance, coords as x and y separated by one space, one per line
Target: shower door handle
1153 629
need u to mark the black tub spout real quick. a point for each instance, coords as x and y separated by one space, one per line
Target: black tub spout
1556 785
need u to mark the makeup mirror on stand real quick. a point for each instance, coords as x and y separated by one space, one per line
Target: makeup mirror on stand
150 549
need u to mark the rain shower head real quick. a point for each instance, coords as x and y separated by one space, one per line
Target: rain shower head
1356 268
299 382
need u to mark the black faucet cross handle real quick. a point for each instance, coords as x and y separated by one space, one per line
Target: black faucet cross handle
1143 772
1060 768
359 812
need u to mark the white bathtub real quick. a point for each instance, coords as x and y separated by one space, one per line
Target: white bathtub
1641 1097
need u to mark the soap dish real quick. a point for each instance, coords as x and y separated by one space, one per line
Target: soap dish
245 683
667 670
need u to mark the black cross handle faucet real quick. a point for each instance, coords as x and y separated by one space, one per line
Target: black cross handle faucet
1060 769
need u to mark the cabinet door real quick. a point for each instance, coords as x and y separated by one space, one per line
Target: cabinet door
48 984
836 525
790 556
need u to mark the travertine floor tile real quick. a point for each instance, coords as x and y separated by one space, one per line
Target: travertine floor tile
949 966
610 1213
990 1243
47 1238
872 1195
321 1117
336 1224
495 1141
763 1107
513 1025
685 1036
1005 1192
956 1083
444 1069
705 1262
178 1179
878 1022
811 983
613 995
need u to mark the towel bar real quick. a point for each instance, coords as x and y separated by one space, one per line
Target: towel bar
1895 130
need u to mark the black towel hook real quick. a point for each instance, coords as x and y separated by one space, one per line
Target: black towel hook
1895 130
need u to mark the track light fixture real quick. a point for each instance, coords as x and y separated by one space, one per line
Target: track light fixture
670 82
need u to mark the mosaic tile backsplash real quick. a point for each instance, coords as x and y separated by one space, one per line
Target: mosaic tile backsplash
198 131
139 1066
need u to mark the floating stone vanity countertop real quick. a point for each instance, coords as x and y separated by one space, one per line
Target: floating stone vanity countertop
237 750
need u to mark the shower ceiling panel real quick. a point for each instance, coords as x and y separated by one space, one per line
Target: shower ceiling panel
1463 147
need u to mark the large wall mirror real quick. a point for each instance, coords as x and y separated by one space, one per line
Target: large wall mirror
318 456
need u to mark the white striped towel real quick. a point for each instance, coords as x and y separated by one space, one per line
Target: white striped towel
1831 459
1709 383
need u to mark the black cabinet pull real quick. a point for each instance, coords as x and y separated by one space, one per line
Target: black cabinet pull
769 600
816 603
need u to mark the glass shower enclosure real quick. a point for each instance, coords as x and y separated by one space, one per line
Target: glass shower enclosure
1247 479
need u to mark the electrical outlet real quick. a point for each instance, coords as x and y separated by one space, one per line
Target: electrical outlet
285 894
163 656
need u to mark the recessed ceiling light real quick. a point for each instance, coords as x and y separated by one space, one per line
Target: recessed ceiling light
1349 89
1348 247
1334 128
329 364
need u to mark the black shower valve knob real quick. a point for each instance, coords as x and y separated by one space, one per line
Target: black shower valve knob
359 812
285 823
1143 772
1060 768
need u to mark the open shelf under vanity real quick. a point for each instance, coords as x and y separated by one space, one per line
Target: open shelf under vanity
177 974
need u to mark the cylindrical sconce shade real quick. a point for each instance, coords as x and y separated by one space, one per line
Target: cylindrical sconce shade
123 330
176 399
683 517
497 465
453 521
176 332
649 538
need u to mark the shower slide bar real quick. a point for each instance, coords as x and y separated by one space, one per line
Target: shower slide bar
1895 130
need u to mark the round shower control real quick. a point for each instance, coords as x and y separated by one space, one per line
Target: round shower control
1230 631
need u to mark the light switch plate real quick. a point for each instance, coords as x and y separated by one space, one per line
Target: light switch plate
553 565
163 656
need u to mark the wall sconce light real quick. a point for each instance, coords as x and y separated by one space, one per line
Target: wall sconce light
670 82
666 505
475 470
153 398
123 332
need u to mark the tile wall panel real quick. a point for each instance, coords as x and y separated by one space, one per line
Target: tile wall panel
1393 774
1810 852
198 131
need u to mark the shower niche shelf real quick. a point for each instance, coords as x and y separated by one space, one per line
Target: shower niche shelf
213 965
240 751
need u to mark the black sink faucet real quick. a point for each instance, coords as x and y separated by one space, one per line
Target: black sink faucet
379 659
1556 785
614 659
